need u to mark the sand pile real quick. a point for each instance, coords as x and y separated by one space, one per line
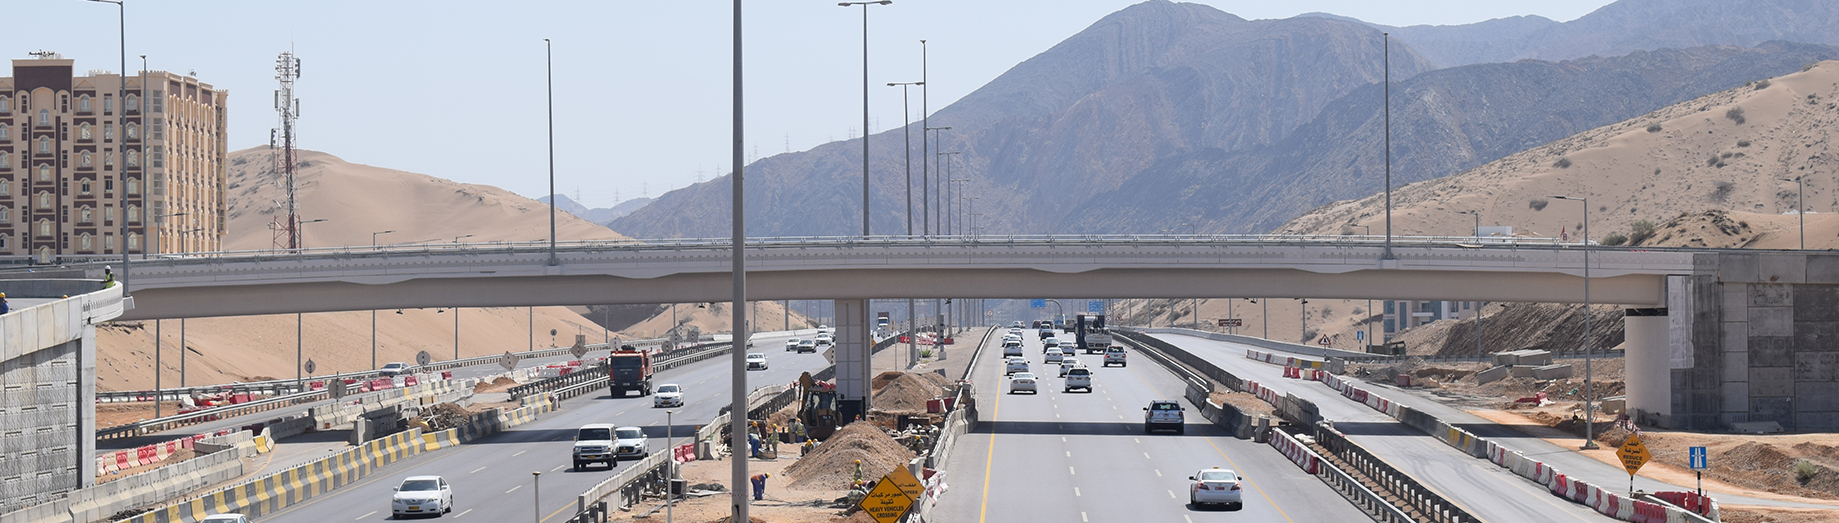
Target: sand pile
832 465
498 385
443 416
907 392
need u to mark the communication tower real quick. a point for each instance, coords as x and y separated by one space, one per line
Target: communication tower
281 142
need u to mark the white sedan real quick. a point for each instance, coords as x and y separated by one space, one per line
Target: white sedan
1216 485
422 495
1022 381
1016 364
756 361
668 395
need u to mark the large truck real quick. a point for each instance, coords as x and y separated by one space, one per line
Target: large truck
629 369
1090 333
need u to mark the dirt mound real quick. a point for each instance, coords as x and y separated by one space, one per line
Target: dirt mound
497 385
443 416
832 465
905 392
750 519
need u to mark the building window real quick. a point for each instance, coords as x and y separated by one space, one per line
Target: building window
44 200
6 215
83 104
108 242
108 131
108 103
84 215
6 132
44 173
133 186
108 184
83 132
1390 327
86 159
108 158
6 105
44 227
85 242
44 145
6 187
133 241
6 160
84 187
133 158
3 242
44 117
133 216
133 102
133 131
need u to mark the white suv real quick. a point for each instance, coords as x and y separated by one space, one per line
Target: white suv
1115 354
1078 378
594 444
1164 414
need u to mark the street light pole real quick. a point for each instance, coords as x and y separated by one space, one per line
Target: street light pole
925 145
121 119
865 133
737 363
907 129
1589 395
1387 255
550 74
928 189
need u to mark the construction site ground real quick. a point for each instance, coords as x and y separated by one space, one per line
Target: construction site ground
816 491
1756 465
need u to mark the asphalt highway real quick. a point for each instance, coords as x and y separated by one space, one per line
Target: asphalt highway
492 478
1084 456
1485 490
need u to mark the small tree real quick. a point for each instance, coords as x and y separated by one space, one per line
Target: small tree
1537 204
1653 127
1562 163
1615 238
1735 114
1640 231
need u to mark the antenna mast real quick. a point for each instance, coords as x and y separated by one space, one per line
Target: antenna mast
287 69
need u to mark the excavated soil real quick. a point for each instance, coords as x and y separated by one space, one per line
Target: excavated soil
498 385
1246 403
832 465
907 392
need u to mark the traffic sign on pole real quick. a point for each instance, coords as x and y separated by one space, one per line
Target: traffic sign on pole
1695 457
1037 304
886 502
1095 306
1359 335
1633 455
1232 322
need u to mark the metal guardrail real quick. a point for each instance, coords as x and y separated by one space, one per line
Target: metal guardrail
211 414
594 513
1362 497
288 386
1427 502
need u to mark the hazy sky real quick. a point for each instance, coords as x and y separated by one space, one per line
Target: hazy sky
455 89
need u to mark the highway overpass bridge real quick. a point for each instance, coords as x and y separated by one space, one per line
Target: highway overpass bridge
1714 337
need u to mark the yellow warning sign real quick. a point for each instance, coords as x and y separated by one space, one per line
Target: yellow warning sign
908 484
885 502
1633 454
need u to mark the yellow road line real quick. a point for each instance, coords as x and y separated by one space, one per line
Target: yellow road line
991 458
1229 460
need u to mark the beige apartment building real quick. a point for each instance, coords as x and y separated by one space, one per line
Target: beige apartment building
71 170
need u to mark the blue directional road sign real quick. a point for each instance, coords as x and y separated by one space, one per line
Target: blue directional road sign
1359 335
1695 457
1095 306
1037 304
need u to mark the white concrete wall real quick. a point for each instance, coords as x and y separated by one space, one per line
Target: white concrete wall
1645 362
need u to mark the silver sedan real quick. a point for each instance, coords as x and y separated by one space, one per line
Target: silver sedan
1022 381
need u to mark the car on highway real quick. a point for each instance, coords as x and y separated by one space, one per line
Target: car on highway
807 346
422 495
1114 355
1069 363
1012 349
629 442
225 518
594 444
792 344
1216 486
1017 325
1049 344
1022 381
1054 357
395 368
824 338
667 395
1079 378
1046 332
756 361
1164 415
1016 364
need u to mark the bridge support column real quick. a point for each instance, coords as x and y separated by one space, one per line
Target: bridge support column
852 359
1647 372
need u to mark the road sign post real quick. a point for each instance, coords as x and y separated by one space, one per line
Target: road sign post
1037 304
1232 322
886 502
1695 458
1633 455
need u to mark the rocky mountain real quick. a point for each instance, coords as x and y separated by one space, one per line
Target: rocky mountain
1626 26
1718 170
1443 122
1153 80
601 215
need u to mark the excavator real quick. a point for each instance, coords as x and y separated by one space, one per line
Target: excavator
817 407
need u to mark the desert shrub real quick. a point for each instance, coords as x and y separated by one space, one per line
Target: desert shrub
1640 231
925 353
1807 67
1726 154
1562 163
1743 143
1805 470
1762 84
1614 238
1722 191
1735 114
1653 127
1537 204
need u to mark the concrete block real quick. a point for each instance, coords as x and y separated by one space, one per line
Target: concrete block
1736 396
1552 372
1492 375
1822 269
1781 268
1534 357
1737 267
1771 381
1779 410
1757 427
1816 303
1771 295
1735 299
1771 321
1816 366
1816 420
1771 351
1613 404
1735 368
1817 397
1735 337
1523 371
1816 336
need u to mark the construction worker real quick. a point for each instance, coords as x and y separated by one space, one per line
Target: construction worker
4 307
108 277
759 485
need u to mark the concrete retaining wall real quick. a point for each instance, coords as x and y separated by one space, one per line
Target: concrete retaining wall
153 486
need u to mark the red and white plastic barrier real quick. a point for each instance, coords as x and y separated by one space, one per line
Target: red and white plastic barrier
1298 454
684 453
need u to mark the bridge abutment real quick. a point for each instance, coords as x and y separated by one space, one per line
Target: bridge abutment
852 359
